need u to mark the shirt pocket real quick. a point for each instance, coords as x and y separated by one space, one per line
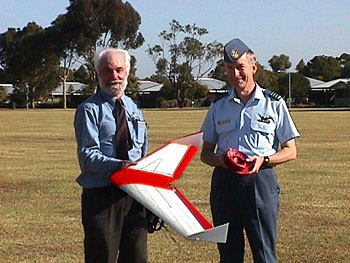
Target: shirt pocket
263 133
263 127
140 133
225 135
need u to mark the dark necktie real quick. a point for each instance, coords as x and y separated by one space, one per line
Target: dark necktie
123 138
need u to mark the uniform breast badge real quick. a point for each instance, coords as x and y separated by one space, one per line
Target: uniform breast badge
224 122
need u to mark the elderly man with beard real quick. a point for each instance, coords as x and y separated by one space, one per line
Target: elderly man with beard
115 225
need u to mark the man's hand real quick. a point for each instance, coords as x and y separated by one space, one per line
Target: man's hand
126 163
209 157
222 160
257 161
288 152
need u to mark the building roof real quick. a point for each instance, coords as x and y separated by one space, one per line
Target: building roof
71 88
314 82
332 83
149 86
211 83
8 87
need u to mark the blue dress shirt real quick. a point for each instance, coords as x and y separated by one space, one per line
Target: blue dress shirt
95 130
255 128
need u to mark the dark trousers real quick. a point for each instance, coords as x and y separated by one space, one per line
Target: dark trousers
113 222
249 203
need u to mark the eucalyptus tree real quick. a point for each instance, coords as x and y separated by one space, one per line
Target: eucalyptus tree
300 86
345 64
89 25
324 68
219 71
300 67
66 48
280 63
27 61
183 58
81 75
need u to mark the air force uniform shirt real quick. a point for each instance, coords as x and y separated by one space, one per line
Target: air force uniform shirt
95 130
255 128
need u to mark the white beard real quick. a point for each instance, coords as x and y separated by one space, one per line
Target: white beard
114 88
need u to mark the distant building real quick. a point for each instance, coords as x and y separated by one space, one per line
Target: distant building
147 87
319 96
74 93
9 89
148 93
337 92
72 88
216 87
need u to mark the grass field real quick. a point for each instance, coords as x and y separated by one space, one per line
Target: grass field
40 201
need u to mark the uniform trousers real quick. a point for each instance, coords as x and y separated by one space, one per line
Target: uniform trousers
113 222
250 203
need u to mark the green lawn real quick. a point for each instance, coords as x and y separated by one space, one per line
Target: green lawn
40 201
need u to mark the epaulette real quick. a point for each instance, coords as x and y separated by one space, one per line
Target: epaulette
220 96
136 102
272 94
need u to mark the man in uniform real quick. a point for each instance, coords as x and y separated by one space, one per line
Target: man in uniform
254 121
111 134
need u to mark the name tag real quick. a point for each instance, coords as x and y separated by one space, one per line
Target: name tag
224 122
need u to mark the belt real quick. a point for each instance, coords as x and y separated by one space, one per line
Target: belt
266 167
261 168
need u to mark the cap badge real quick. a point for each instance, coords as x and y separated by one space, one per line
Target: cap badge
234 54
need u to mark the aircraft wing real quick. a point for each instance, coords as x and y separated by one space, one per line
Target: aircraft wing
149 182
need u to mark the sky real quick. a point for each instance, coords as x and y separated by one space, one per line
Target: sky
300 29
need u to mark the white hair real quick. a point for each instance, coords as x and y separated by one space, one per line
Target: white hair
100 54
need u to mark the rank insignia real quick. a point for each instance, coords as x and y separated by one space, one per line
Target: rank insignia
265 119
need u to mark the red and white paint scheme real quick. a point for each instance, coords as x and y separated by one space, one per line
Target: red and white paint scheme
149 182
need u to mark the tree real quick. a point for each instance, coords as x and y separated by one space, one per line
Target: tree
198 93
346 70
90 25
81 75
280 63
300 86
19 96
133 81
2 75
345 64
324 68
27 61
184 62
267 79
219 72
344 58
167 92
300 67
65 48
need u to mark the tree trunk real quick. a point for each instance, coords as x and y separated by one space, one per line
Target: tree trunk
181 97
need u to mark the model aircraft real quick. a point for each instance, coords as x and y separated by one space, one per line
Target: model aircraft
149 182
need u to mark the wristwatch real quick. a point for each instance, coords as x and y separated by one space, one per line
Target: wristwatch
266 160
